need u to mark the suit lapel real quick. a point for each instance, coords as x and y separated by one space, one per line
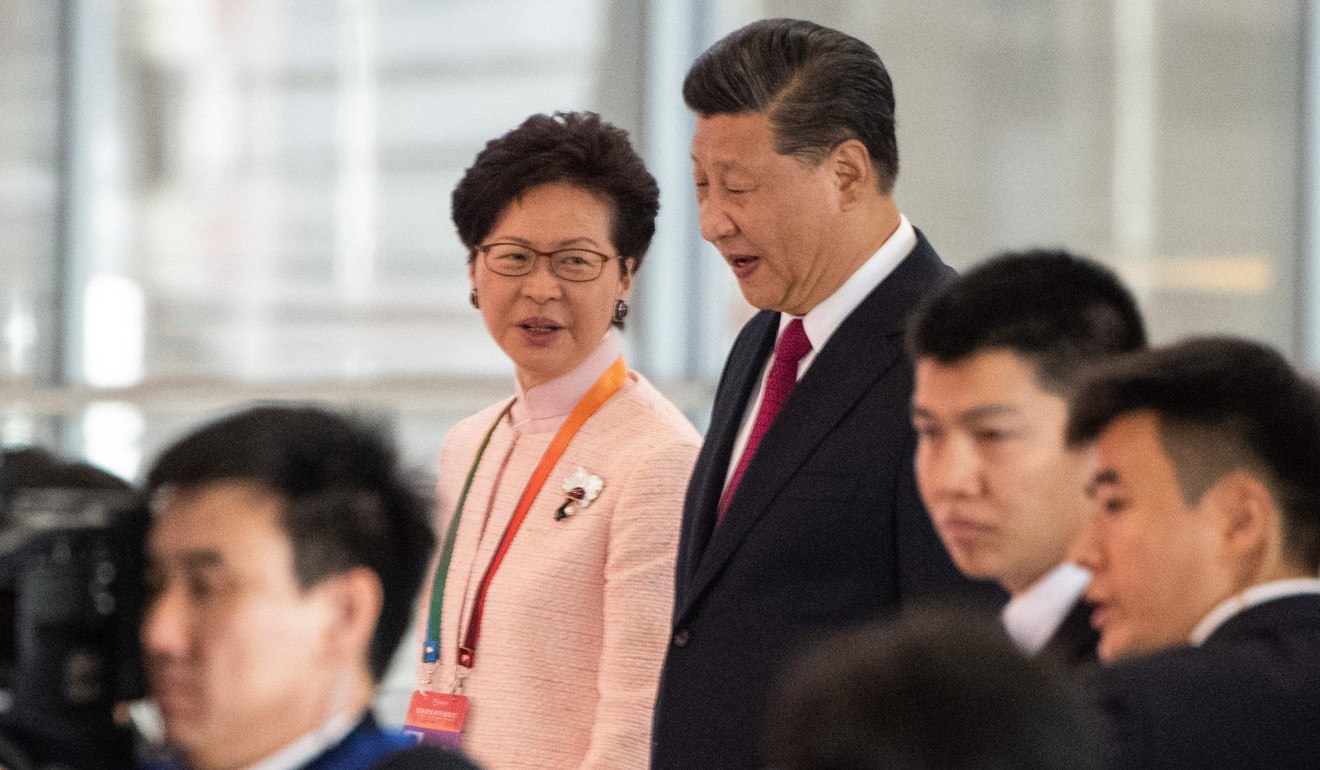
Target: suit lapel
864 347
810 413
743 371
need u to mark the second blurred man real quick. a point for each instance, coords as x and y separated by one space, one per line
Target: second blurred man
1204 545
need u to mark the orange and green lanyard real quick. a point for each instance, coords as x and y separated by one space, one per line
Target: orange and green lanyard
605 387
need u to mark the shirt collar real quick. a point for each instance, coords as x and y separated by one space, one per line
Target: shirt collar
553 400
1033 616
313 744
1255 595
822 320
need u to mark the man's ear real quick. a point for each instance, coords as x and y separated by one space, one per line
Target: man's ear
1250 525
354 598
854 176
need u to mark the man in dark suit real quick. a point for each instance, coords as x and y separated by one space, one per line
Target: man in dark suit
284 556
802 514
997 354
1204 546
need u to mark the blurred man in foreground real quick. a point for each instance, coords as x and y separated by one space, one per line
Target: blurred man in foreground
283 561
933 689
1204 546
997 354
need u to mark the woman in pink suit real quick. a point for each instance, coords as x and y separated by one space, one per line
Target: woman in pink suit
560 506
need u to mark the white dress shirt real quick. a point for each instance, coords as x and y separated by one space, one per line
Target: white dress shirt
1257 594
1033 616
311 745
822 321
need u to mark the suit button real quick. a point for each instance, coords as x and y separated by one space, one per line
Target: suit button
681 638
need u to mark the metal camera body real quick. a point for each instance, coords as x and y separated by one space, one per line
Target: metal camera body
71 597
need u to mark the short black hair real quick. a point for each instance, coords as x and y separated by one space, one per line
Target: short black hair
1056 309
934 688
576 148
33 467
346 502
1221 404
819 87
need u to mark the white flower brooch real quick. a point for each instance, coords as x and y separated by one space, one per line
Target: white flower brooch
580 489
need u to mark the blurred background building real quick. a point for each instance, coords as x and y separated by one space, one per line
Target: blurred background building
205 202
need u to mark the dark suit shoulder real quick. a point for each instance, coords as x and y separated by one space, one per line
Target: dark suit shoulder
1284 633
924 257
1297 615
1249 697
920 274
928 271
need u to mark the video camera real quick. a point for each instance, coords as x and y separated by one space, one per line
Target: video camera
71 596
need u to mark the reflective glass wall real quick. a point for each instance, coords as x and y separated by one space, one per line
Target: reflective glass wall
210 202
1160 136
30 139
206 202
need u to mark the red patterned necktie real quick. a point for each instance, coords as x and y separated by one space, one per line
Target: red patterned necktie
789 350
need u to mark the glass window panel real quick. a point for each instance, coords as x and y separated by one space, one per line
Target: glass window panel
29 149
1160 137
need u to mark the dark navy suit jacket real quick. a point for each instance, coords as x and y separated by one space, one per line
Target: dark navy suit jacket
1249 697
825 530
361 749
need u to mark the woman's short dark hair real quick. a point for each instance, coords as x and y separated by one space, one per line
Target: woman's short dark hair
819 86
576 148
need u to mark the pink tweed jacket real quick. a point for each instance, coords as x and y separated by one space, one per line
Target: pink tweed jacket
577 618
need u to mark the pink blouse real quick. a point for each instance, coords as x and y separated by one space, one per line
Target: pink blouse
577 618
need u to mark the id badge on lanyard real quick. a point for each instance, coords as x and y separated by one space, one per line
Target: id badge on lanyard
438 717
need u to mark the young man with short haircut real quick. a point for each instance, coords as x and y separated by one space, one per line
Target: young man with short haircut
997 353
1204 545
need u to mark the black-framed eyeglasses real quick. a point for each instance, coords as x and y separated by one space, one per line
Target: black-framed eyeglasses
515 259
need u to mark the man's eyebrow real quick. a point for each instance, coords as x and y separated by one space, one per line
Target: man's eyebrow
1106 477
720 164
971 415
200 558
987 411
